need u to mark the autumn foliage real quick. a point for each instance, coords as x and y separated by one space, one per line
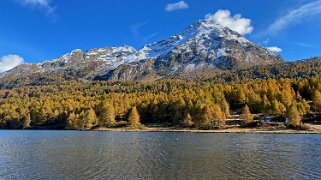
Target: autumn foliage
204 105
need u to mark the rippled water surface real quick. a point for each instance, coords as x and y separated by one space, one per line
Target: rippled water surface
122 155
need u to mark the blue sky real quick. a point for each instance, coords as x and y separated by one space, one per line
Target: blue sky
35 30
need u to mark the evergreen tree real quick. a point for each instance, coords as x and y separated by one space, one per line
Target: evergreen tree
317 101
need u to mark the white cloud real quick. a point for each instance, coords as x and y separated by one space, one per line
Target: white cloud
10 61
41 4
36 2
305 12
274 49
236 22
176 6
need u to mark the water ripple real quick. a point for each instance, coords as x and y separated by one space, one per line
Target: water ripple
114 155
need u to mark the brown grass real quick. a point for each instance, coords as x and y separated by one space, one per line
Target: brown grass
313 129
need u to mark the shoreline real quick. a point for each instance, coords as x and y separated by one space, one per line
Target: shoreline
315 129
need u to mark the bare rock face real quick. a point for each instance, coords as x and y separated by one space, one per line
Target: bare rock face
202 45
142 70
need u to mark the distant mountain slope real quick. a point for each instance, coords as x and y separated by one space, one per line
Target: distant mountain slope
299 69
202 46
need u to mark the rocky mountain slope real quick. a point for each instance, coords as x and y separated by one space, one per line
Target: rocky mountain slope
202 47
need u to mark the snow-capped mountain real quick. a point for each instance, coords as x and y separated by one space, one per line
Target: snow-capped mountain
202 45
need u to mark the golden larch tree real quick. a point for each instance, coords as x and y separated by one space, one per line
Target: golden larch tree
107 115
293 115
188 121
133 118
246 115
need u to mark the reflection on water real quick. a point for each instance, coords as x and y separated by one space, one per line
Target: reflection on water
120 155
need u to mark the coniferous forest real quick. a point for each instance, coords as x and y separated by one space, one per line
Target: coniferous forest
199 105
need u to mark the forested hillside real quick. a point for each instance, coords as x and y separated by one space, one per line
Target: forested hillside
299 69
203 105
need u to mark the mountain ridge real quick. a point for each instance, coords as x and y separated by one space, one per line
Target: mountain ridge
202 45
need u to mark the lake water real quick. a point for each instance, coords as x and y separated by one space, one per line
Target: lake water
126 155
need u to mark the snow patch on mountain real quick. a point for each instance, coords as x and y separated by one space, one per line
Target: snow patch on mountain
204 43
201 32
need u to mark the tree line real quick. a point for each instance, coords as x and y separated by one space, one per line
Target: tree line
201 105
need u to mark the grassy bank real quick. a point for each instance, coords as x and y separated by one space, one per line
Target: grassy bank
314 129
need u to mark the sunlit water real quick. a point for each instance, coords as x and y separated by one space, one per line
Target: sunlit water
121 155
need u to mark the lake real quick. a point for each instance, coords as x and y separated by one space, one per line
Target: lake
149 155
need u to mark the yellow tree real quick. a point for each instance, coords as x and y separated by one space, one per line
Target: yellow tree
303 107
71 121
107 115
90 118
225 108
178 108
206 117
293 115
133 118
241 97
219 118
266 105
277 107
25 117
246 115
81 122
26 120
188 121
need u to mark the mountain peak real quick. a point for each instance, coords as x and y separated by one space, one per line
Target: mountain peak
203 45
206 33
